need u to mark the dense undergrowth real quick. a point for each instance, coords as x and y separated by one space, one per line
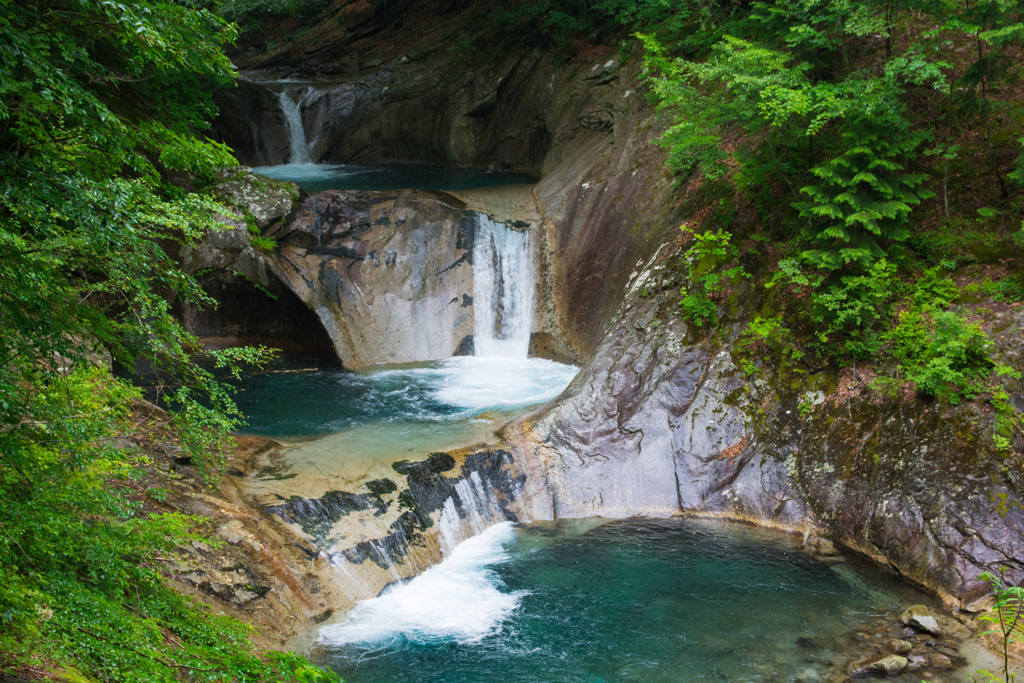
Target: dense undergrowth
101 105
879 144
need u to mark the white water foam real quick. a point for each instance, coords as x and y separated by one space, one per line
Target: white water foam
492 383
459 599
503 290
296 130
304 173
479 509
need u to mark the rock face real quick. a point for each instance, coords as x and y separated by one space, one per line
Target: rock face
654 426
432 110
385 529
253 307
388 274
584 126
658 423
251 121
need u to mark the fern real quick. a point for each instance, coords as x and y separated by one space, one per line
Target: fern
864 197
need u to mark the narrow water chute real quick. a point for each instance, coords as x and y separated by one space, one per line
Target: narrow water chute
296 130
503 290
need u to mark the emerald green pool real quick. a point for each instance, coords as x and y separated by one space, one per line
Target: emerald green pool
634 600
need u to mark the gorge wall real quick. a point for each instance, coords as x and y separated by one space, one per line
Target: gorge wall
661 420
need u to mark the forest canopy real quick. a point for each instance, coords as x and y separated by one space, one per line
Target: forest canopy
102 104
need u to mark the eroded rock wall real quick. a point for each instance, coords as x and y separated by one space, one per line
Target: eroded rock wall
661 422
252 306
387 274
584 126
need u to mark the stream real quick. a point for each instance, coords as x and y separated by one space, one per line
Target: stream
589 600
630 600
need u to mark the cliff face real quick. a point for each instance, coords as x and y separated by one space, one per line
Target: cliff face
584 127
658 423
386 273
660 420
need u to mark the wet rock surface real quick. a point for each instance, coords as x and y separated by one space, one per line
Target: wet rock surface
414 504
885 665
430 110
253 567
881 649
386 273
921 619
659 423
254 308
584 126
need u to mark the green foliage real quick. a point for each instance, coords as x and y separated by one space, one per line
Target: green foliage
817 95
549 22
790 272
247 12
1005 615
700 309
768 335
815 99
75 584
706 257
864 196
1018 172
1009 288
760 86
765 328
1007 418
97 100
945 355
694 24
849 313
264 243
932 291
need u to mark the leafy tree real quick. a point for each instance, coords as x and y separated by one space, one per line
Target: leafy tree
790 80
100 104
84 209
994 27
864 195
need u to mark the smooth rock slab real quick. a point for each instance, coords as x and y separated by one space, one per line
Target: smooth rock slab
920 618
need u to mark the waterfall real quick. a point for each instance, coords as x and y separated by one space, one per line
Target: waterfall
503 290
296 131
479 511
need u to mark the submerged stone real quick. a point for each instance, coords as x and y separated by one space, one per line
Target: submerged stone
920 618
888 665
898 647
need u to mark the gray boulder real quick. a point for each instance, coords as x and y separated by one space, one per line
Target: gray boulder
888 665
920 618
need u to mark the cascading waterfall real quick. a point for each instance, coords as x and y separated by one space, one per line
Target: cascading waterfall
479 511
296 131
503 290
384 531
